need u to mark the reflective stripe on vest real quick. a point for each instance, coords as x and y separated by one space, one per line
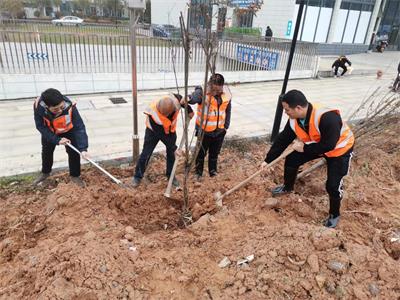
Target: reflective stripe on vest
60 124
168 125
346 139
213 117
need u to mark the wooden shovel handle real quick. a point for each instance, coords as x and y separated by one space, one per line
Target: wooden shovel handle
239 185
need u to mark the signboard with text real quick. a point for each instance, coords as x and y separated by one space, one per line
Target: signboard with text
242 3
267 60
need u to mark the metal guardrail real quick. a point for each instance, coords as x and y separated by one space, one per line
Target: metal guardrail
53 52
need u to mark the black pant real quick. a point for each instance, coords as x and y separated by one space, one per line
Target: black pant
396 84
338 167
74 159
337 68
151 140
213 145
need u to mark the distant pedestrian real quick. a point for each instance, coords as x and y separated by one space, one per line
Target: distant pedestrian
340 63
268 34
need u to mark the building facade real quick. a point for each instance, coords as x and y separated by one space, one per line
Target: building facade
389 25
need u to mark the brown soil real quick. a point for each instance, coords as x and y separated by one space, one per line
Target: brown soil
106 242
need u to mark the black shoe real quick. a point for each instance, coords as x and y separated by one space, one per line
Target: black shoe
175 183
42 177
135 182
332 222
78 181
280 190
213 173
199 177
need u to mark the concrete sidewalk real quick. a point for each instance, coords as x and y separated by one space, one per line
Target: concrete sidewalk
109 126
363 64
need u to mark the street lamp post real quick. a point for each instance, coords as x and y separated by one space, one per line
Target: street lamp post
279 108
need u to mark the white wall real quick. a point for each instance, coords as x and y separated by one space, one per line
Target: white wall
162 10
276 14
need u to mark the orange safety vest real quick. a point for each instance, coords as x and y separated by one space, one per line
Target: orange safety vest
346 139
62 123
160 119
214 116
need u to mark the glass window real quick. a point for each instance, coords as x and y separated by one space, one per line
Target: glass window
328 3
345 5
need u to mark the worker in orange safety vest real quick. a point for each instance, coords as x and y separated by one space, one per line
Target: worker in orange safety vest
59 123
161 120
320 132
216 121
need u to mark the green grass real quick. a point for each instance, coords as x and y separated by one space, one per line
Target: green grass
15 181
50 28
88 39
232 31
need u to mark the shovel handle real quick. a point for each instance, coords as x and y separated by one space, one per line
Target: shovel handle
239 185
167 192
117 181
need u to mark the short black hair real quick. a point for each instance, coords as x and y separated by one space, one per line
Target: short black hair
217 79
294 98
52 97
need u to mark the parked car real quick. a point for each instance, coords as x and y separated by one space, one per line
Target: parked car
68 20
167 31
161 31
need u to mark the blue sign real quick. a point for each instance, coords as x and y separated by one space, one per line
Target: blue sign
289 28
267 60
242 3
37 56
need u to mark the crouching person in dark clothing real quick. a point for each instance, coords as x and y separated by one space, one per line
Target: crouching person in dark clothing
161 121
320 132
216 121
59 123
340 63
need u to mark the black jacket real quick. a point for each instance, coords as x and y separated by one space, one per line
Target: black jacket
79 130
197 97
329 126
398 68
341 62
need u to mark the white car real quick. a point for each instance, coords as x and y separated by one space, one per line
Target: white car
68 20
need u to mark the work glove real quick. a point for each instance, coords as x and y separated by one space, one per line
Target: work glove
178 96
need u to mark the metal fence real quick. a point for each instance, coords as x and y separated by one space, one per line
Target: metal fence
53 52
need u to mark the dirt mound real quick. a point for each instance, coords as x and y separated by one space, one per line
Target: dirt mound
107 242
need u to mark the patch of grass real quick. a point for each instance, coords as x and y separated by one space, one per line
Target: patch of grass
16 180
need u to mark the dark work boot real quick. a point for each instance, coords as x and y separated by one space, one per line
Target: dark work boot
332 221
287 187
334 212
42 177
280 190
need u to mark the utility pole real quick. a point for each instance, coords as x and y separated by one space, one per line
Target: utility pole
134 6
279 108
135 136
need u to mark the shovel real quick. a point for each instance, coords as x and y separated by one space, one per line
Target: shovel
171 177
117 181
218 196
